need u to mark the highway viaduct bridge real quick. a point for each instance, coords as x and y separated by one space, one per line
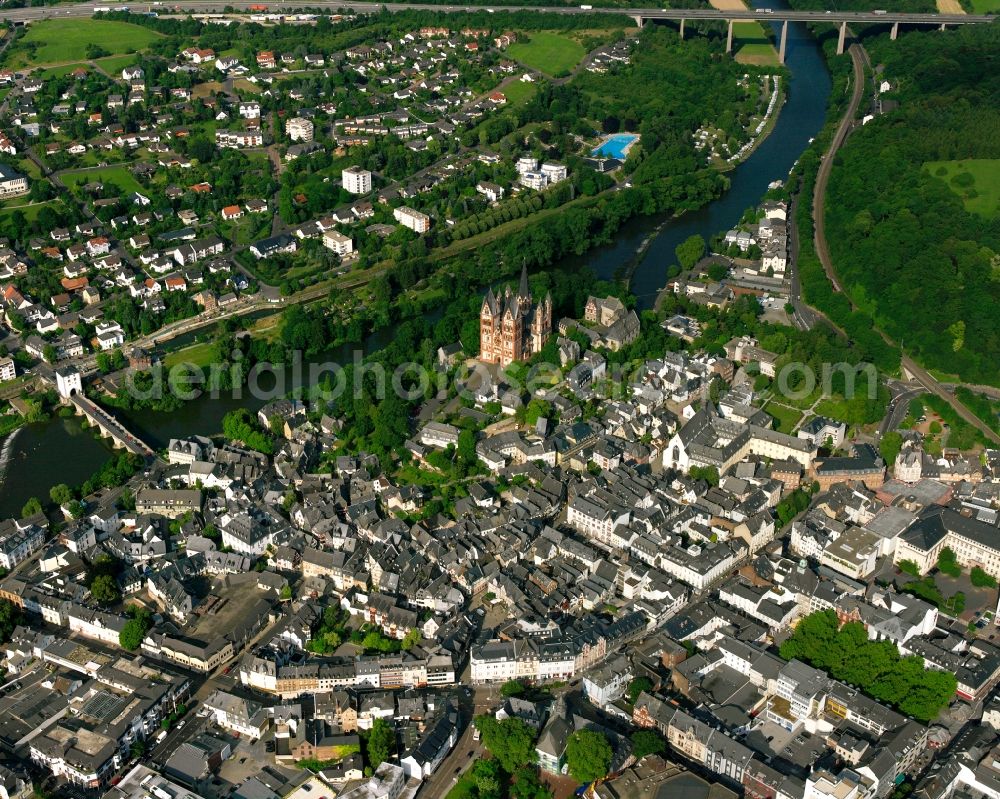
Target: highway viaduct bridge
840 18
682 16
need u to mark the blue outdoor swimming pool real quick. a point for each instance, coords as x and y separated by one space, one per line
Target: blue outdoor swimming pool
615 146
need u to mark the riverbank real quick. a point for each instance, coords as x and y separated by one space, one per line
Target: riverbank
768 123
802 114
643 248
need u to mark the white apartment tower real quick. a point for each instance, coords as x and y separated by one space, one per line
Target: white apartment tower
357 180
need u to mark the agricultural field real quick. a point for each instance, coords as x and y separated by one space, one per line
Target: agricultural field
57 41
976 181
550 53
118 175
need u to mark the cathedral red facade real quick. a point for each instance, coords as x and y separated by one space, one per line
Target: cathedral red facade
511 326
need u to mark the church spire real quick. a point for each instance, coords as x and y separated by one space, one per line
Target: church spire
524 291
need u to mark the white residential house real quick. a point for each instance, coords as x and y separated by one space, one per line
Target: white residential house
527 164
237 714
226 63
491 191
607 684
109 335
534 180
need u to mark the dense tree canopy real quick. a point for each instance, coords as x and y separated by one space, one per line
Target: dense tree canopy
241 426
647 742
904 245
135 628
10 617
510 741
381 743
875 666
104 589
588 755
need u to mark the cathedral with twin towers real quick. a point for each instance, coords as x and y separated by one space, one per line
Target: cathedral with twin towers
511 326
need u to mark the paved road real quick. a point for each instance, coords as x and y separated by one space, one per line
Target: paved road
677 14
899 405
924 377
484 699
803 315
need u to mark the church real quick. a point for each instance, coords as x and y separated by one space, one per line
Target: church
511 326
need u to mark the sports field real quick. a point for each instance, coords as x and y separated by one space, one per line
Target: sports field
975 180
548 52
56 41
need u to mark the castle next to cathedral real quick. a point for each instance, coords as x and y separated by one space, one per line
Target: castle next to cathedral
511 326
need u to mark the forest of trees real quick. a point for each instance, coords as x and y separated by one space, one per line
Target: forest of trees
904 246
673 88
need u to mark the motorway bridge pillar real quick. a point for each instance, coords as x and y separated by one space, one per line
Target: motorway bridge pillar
638 21
841 38
729 38
895 31
944 26
784 41
681 31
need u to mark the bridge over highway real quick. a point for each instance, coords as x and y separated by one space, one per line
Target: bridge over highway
680 15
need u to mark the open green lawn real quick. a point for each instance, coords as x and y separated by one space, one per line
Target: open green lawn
518 92
29 168
985 6
58 72
548 52
786 419
114 64
118 175
752 45
54 41
976 181
201 354
22 204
